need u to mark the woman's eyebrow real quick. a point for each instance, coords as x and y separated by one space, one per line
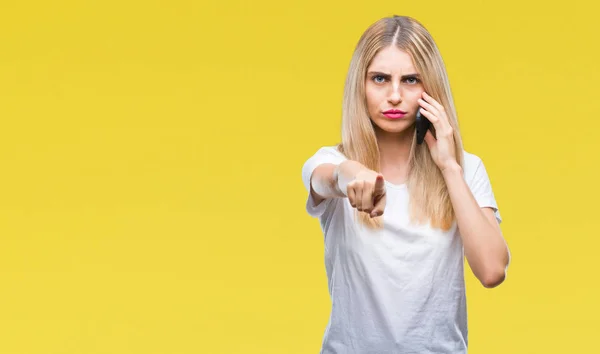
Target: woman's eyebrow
388 75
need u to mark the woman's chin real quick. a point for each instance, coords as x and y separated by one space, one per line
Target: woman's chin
398 126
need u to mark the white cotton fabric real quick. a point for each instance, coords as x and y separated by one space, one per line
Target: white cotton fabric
396 290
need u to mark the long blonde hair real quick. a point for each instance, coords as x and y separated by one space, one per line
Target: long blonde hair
429 197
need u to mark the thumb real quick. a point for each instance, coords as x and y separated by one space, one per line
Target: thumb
430 139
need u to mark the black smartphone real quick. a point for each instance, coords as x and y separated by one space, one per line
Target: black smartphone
422 125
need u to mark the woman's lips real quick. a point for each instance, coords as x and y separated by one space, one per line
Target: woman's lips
394 114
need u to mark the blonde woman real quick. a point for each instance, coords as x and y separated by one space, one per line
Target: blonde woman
399 216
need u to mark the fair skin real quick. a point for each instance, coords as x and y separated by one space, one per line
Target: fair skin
392 83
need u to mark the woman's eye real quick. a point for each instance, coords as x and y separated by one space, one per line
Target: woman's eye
412 80
376 77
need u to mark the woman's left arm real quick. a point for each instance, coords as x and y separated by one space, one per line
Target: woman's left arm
485 247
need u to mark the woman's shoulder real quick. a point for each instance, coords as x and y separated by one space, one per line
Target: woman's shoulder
331 150
470 159
473 165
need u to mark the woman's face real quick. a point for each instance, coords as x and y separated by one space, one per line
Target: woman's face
392 83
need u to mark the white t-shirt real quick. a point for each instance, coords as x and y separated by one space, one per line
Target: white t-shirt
396 290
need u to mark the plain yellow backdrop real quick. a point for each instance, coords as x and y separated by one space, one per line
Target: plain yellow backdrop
151 197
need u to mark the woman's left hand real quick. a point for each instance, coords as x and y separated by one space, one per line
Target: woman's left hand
441 146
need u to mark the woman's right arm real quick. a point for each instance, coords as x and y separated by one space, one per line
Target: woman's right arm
366 186
330 181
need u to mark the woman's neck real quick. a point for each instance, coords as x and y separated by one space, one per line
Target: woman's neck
394 153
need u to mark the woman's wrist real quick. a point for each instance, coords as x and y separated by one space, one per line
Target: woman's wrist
452 170
345 173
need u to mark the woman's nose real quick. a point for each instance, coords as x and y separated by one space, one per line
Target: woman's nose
395 95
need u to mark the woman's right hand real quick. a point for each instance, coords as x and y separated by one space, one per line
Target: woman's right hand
366 192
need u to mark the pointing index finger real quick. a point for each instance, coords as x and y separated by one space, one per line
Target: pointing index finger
379 184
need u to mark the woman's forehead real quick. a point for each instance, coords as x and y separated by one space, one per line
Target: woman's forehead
392 60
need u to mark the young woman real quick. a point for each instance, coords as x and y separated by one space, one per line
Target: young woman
398 217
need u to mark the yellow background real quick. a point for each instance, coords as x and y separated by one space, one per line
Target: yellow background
151 198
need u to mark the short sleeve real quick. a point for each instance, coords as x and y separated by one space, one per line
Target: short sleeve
481 188
323 155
